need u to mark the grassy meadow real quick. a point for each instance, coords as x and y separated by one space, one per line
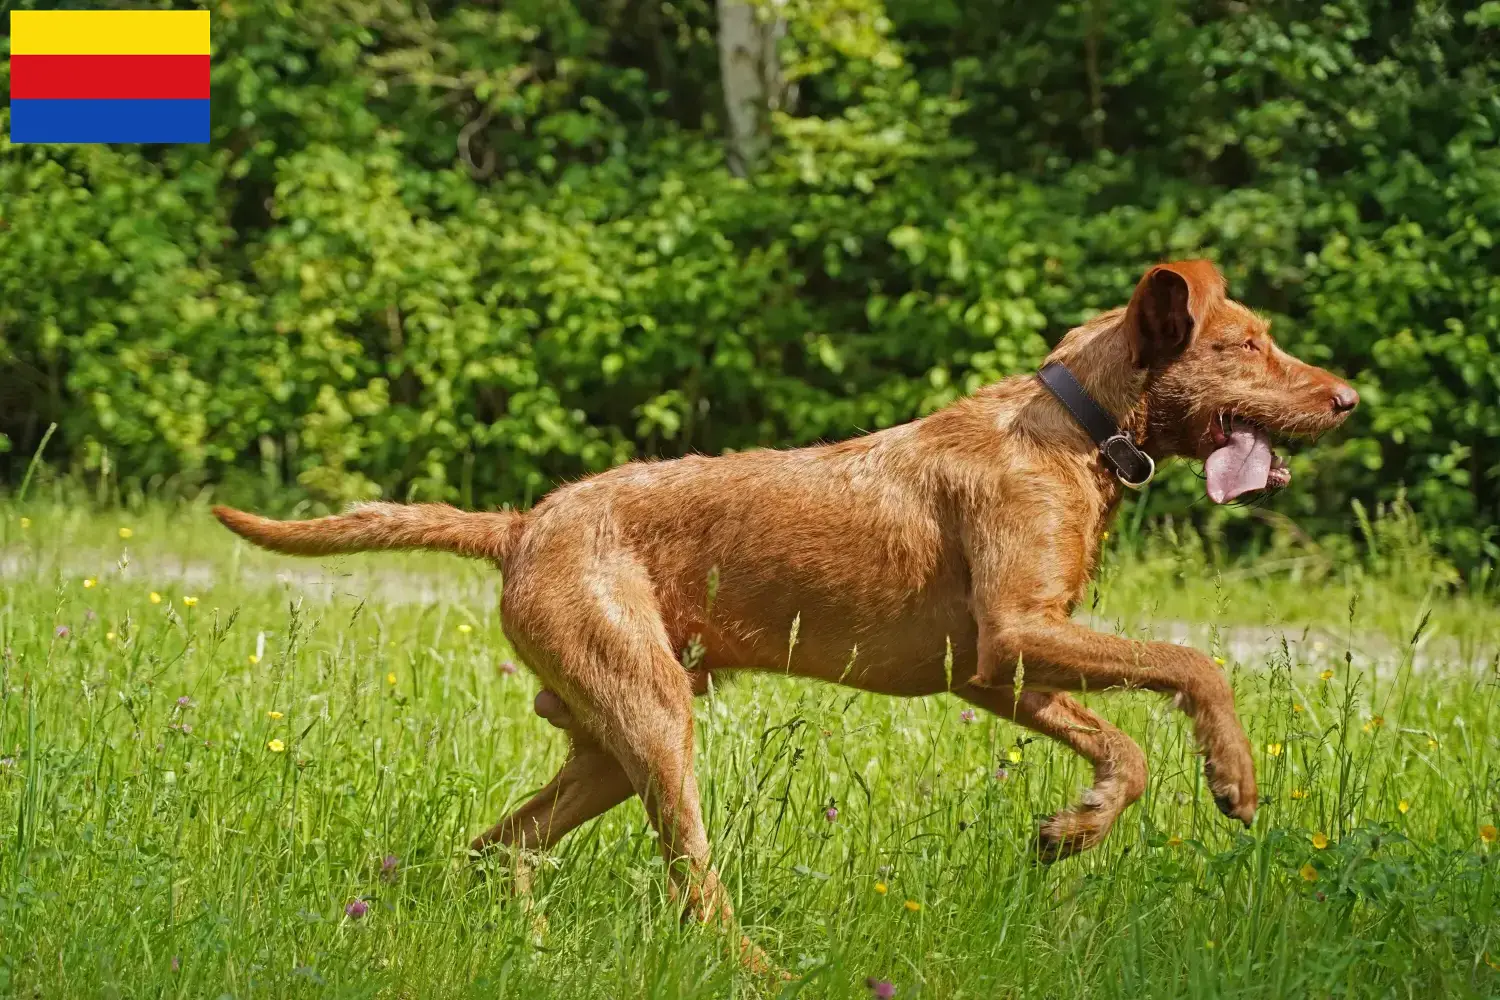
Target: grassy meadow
226 773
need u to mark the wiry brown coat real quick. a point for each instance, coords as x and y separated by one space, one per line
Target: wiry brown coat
975 529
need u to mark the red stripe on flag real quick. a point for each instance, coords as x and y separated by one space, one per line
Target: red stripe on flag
118 77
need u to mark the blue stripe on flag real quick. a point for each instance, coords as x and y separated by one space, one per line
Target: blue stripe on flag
109 121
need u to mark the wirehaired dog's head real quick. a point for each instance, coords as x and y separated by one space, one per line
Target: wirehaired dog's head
1213 383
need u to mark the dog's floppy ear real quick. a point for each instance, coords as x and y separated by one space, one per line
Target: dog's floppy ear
1169 306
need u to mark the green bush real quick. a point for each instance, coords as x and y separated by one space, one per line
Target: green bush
469 252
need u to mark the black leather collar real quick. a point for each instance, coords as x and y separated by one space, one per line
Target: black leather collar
1130 465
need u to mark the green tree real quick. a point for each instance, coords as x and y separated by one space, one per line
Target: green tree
466 251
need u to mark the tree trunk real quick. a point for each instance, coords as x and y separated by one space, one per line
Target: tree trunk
751 72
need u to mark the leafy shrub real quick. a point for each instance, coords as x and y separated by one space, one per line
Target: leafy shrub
470 252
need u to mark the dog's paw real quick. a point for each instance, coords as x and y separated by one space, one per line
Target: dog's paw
1068 833
756 962
1233 789
1050 846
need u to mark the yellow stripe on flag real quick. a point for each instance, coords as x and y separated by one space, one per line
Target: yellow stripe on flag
109 32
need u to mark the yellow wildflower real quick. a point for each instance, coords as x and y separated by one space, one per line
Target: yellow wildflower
912 905
1309 873
155 597
126 532
1297 709
25 523
1326 675
1403 807
465 628
1377 721
881 888
190 601
273 714
109 636
1319 840
1432 744
1174 841
89 582
390 678
1219 660
276 746
1299 793
1104 537
253 659
1274 749
1014 755
1487 833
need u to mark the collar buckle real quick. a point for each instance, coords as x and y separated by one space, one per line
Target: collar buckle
1122 454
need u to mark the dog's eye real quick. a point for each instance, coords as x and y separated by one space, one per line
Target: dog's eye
1251 345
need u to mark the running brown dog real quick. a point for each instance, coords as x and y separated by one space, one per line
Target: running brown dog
974 529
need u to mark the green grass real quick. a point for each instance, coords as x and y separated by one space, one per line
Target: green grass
154 848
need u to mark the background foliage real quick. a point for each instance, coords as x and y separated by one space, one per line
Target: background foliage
464 250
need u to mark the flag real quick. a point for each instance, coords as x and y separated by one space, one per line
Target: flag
109 76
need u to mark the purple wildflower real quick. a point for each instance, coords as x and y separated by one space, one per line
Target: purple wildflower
389 865
831 813
1001 774
176 963
507 668
356 908
89 615
881 989
7 762
62 631
967 715
184 702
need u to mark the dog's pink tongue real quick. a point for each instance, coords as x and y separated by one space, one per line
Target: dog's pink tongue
1240 465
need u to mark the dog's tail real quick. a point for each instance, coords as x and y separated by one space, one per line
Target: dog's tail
369 526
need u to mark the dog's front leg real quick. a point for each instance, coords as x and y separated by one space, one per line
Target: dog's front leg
1119 765
1059 654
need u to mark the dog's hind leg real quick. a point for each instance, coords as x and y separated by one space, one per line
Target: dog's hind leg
1119 765
586 619
651 735
589 783
641 710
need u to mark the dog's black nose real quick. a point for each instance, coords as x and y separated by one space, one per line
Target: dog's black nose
1345 399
